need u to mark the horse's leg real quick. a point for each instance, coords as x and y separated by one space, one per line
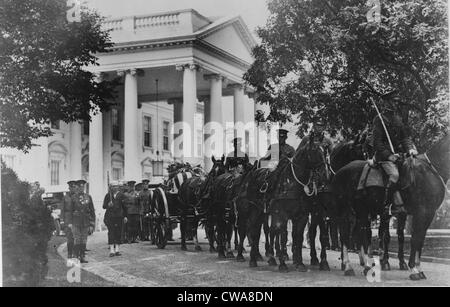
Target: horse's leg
210 232
334 234
384 238
229 235
266 229
294 248
301 222
345 228
221 238
283 249
312 238
364 223
242 231
421 222
183 225
324 243
255 222
401 223
271 255
195 233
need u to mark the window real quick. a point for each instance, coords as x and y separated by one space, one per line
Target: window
86 127
166 135
115 119
147 131
116 174
54 172
199 143
55 125
158 168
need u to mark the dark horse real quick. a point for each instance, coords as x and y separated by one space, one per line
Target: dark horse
291 200
222 210
251 212
194 193
423 189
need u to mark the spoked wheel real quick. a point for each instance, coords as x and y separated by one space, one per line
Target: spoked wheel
161 230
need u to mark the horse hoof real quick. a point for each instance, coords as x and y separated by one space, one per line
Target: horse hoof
422 275
253 264
198 248
324 266
212 250
259 258
366 270
240 258
342 267
183 248
283 268
314 261
403 266
272 262
301 268
349 272
222 256
415 277
230 255
385 266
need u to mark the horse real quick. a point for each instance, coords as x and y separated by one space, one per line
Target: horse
222 208
194 193
422 179
290 200
251 212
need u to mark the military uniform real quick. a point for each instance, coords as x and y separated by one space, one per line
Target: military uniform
66 205
144 199
383 152
133 214
236 159
81 215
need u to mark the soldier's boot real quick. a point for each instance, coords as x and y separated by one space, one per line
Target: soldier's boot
83 253
69 250
393 194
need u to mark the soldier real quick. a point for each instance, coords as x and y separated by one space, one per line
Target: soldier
133 212
401 142
66 205
276 153
145 198
237 158
115 217
81 219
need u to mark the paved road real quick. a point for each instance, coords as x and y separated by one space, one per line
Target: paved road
144 265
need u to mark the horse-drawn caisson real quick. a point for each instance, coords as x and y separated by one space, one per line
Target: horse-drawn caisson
339 185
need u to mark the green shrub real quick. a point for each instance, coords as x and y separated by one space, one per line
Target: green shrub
27 227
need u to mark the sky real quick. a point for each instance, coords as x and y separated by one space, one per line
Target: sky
254 12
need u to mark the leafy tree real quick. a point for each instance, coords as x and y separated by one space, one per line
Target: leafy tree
42 69
322 59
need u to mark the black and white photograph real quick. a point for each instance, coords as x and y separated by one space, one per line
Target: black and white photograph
246 146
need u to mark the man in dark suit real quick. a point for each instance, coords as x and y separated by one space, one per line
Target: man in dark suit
115 217
66 205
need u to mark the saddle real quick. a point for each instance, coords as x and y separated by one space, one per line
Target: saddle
372 175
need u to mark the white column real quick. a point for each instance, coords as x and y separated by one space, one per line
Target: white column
75 151
107 139
177 118
96 185
189 108
238 109
213 114
131 142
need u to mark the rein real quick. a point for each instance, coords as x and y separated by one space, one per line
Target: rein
305 186
435 171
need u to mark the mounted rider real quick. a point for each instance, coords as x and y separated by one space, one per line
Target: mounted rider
277 153
401 142
236 159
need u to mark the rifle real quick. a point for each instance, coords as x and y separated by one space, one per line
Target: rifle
384 125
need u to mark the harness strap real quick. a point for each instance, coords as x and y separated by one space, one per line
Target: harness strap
305 186
437 173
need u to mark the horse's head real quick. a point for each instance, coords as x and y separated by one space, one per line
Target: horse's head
310 156
218 167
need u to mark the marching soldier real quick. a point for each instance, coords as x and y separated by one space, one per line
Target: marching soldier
115 217
67 203
237 158
145 198
400 141
81 219
133 212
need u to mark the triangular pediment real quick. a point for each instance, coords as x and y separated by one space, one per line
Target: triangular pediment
231 36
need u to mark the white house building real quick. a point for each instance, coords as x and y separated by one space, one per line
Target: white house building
176 67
